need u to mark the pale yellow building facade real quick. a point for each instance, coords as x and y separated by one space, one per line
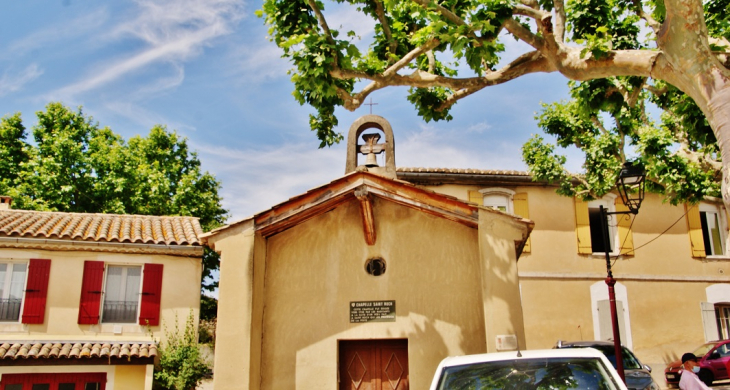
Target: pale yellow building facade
671 264
86 297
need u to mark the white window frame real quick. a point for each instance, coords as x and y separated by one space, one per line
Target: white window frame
125 268
599 292
719 211
498 193
717 295
609 203
6 286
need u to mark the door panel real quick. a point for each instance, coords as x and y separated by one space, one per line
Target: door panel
51 381
373 365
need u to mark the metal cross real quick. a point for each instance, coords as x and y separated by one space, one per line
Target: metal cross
371 104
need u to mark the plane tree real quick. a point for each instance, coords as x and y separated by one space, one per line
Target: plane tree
619 54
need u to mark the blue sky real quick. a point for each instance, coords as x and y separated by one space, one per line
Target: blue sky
206 69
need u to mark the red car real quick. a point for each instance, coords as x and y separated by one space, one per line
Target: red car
713 359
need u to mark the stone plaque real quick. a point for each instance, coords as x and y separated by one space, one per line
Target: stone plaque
372 311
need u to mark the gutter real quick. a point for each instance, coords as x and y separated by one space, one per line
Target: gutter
461 178
121 245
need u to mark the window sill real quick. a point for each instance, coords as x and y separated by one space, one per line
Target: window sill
12 327
125 328
717 258
613 256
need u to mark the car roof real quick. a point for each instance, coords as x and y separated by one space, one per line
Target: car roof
533 354
586 343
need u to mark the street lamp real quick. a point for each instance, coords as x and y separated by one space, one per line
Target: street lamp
630 185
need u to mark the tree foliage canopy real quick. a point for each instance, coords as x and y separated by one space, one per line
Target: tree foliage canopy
680 152
74 165
620 54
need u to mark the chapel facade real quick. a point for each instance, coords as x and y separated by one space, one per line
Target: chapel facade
373 278
365 282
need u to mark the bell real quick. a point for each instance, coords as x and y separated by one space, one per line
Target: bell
370 160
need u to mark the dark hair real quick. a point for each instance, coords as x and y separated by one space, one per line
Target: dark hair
688 356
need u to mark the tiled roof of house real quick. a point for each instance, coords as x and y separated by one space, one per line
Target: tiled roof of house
464 170
138 229
76 350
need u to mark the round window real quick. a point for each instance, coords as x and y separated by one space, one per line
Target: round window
375 266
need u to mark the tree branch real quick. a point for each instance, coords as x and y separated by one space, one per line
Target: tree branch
650 21
412 55
657 91
518 30
325 27
532 62
392 45
598 124
450 16
559 20
530 12
322 20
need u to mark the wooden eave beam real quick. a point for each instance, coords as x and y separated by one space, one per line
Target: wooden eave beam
366 212
452 211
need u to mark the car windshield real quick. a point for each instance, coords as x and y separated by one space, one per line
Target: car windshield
529 374
703 349
630 361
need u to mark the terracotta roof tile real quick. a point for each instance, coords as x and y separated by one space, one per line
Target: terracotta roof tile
75 350
138 229
464 170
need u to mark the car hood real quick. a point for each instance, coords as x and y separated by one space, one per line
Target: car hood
637 379
674 365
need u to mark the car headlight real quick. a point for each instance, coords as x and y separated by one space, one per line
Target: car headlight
652 386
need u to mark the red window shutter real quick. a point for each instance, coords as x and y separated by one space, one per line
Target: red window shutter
89 306
36 291
149 313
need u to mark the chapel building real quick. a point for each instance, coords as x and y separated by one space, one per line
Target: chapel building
367 282
364 281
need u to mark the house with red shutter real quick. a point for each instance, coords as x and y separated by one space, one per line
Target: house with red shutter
85 298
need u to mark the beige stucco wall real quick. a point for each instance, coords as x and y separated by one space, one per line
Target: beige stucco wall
316 269
285 300
180 295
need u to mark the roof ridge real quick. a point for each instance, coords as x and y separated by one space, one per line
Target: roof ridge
99 214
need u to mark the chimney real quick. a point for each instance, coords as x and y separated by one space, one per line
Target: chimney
5 202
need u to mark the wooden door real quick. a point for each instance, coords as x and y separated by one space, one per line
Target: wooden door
373 365
54 381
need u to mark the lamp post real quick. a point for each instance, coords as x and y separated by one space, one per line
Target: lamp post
630 184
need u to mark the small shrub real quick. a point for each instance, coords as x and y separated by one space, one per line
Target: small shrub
206 332
181 365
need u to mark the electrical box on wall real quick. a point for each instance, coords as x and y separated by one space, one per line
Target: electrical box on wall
506 342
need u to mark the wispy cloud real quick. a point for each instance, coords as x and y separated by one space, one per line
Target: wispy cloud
256 179
11 82
258 61
82 26
172 31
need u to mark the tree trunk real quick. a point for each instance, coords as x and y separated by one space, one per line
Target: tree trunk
688 63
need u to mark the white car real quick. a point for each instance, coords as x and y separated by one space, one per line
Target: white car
584 368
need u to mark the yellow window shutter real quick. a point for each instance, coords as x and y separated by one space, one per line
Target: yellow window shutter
583 227
476 197
519 202
625 235
694 227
